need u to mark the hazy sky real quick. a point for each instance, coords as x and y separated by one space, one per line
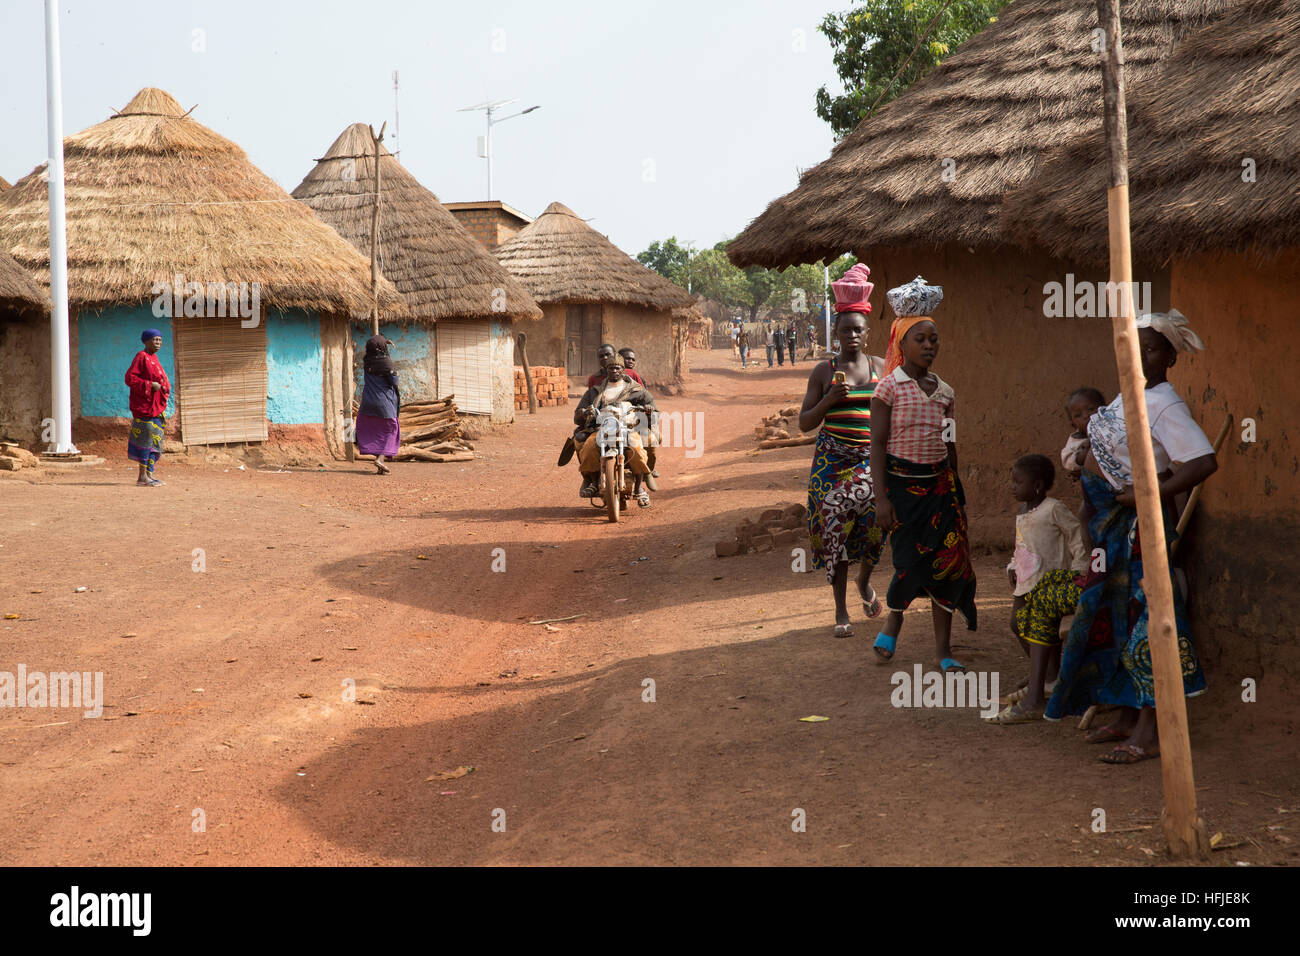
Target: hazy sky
680 117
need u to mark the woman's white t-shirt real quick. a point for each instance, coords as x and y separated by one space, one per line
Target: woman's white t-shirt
1174 433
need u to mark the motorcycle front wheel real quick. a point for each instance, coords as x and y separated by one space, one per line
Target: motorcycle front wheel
609 468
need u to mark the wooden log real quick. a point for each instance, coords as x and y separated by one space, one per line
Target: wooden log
411 453
788 442
447 416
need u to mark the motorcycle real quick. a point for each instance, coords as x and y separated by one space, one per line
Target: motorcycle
612 430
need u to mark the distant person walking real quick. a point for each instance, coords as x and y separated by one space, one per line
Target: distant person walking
150 389
742 342
792 340
378 432
769 340
778 340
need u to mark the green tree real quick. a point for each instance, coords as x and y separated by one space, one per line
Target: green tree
872 42
669 258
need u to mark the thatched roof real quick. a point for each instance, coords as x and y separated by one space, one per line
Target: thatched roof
560 258
1010 93
4 184
441 270
1232 91
151 193
18 290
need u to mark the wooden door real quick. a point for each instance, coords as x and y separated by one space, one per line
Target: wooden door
581 339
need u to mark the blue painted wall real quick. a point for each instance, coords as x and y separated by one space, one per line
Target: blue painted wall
293 368
106 343
413 352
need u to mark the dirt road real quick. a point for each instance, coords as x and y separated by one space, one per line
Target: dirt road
229 609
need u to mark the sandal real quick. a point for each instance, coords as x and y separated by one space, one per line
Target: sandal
643 498
1128 753
1103 735
1013 714
873 607
884 646
843 630
950 665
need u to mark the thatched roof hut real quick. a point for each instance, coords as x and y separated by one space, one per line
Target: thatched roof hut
1230 233
593 292
1230 93
4 184
19 292
931 167
562 259
441 270
152 193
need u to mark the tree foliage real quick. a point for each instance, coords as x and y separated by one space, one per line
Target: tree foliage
796 291
872 41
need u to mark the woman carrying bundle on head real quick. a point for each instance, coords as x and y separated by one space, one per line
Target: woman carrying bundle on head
841 498
1106 659
914 463
378 432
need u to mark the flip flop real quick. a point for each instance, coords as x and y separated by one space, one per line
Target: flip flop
950 664
884 646
873 607
1127 754
1103 735
843 630
1012 714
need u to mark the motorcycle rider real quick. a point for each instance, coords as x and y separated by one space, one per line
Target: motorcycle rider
615 388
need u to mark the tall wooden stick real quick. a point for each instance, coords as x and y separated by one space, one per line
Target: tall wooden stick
1184 831
528 373
374 233
1195 496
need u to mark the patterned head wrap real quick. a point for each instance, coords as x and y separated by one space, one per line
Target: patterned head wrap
1173 326
148 334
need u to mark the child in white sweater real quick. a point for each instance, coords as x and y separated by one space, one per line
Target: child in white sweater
1045 572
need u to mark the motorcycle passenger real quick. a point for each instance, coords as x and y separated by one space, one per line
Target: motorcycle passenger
649 436
603 355
615 388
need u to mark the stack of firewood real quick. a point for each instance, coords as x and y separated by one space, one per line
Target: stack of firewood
782 430
431 432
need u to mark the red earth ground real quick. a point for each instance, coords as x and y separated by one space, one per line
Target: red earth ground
227 739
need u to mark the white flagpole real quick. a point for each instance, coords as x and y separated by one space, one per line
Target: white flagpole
60 348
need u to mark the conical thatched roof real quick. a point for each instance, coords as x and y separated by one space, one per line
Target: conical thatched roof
559 258
441 270
1231 92
151 193
1024 84
4 184
19 291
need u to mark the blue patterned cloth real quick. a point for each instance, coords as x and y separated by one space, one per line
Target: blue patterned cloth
1106 659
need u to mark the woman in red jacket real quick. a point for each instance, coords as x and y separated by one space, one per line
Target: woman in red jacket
149 392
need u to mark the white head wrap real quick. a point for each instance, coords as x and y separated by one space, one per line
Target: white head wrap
1173 326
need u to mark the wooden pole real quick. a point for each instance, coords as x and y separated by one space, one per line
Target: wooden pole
1184 830
374 233
528 373
1195 496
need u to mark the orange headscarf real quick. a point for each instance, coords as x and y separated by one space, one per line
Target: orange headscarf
894 353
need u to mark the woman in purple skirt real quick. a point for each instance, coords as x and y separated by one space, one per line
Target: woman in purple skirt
378 433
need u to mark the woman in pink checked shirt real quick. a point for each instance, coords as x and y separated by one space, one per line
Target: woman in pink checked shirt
914 459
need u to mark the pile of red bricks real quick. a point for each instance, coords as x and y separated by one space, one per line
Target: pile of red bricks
550 384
